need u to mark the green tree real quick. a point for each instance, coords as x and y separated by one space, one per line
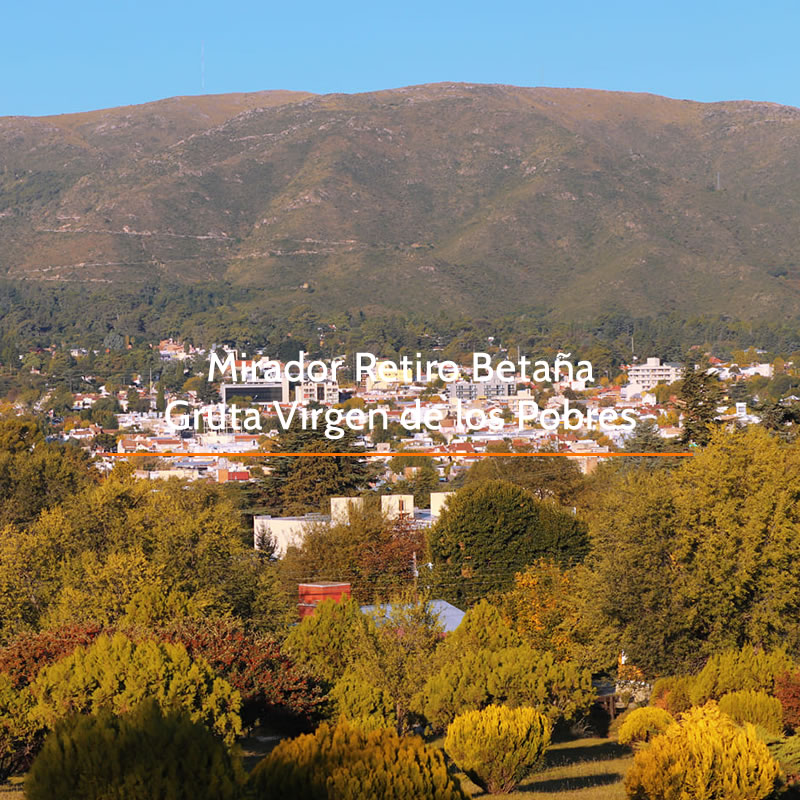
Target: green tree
490 531
161 402
699 396
546 478
329 641
300 485
703 559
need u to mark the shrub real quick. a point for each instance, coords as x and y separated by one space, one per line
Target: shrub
734 670
786 751
672 694
757 708
269 682
118 674
138 756
787 690
25 655
498 746
345 763
513 676
19 737
705 755
642 724
363 703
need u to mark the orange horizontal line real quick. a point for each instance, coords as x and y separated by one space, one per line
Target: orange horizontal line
434 453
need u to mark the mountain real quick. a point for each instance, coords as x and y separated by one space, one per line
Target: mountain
473 198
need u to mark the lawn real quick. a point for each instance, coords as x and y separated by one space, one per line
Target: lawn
581 769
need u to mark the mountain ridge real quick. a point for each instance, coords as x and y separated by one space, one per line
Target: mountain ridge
480 197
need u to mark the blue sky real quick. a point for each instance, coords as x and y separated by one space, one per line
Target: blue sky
60 57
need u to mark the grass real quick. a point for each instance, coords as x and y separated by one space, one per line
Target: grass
580 769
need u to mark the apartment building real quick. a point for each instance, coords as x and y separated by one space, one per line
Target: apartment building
652 372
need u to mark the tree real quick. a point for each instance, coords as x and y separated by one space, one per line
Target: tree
374 554
699 396
512 676
490 531
546 478
19 736
542 607
300 485
140 755
683 567
330 640
118 674
397 658
272 687
498 746
161 402
35 475
76 561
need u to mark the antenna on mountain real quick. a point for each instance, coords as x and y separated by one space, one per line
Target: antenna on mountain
203 66
718 184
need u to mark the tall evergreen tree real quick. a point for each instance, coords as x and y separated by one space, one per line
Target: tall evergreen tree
700 393
304 484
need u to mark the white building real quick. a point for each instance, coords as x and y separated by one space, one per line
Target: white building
652 372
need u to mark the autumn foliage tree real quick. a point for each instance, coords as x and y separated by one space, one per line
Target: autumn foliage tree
374 554
271 686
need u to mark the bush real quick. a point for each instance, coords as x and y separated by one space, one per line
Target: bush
141 755
757 708
705 755
19 737
499 746
787 690
642 724
345 763
734 670
117 674
25 655
269 682
786 751
672 694
513 676
363 703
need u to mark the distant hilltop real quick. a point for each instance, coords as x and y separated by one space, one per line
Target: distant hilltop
471 198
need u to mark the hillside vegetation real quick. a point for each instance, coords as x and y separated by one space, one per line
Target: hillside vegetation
455 196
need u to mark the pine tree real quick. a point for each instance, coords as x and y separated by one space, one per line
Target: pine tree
699 396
